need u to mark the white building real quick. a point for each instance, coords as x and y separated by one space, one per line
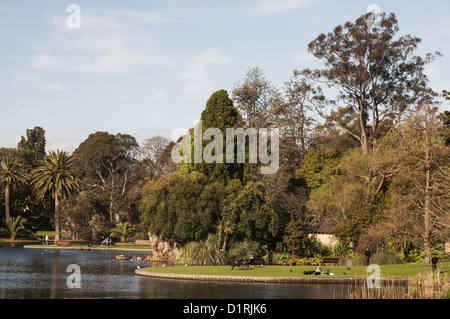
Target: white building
323 232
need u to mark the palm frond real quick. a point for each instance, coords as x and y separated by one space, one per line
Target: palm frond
11 171
56 176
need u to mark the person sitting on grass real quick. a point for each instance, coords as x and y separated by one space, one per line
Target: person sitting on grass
248 262
319 269
236 263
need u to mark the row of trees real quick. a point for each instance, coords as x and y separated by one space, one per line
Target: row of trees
53 177
361 144
102 175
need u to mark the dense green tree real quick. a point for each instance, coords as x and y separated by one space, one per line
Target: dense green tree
32 147
181 206
103 154
38 212
328 135
247 211
107 168
348 191
110 172
57 177
295 237
317 166
83 216
218 115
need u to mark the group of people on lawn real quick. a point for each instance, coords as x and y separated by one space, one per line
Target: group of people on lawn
319 270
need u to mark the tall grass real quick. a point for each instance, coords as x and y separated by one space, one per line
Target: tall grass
425 285
201 253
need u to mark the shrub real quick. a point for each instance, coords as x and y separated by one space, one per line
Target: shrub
202 253
352 260
340 249
413 256
123 231
385 258
244 249
314 248
14 225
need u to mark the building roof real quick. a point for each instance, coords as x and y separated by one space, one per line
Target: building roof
324 226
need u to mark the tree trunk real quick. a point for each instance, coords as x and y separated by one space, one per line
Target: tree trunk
362 124
364 143
57 236
225 242
427 211
7 207
374 126
111 207
219 241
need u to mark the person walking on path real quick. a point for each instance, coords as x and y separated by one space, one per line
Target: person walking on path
434 262
270 257
368 255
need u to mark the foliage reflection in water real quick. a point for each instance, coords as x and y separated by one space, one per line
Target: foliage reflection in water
42 273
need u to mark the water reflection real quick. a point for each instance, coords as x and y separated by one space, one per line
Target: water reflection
39 273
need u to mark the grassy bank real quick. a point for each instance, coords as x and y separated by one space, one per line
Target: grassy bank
404 270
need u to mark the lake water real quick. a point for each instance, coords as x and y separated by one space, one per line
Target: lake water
42 273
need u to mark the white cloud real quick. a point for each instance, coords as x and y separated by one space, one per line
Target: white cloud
143 16
271 7
20 78
302 57
65 138
29 113
9 138
55 87
110 42
47 61
155 94
35 80
197 81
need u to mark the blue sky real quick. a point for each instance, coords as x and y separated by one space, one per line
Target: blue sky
148 67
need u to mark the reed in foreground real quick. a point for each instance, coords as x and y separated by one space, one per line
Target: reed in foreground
425 285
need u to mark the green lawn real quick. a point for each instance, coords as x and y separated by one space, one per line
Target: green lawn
404 270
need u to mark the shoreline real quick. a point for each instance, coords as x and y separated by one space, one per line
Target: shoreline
86 248
271 279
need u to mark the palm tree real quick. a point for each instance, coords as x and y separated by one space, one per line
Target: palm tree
123 231
227 229
11 172
219 231
57 177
